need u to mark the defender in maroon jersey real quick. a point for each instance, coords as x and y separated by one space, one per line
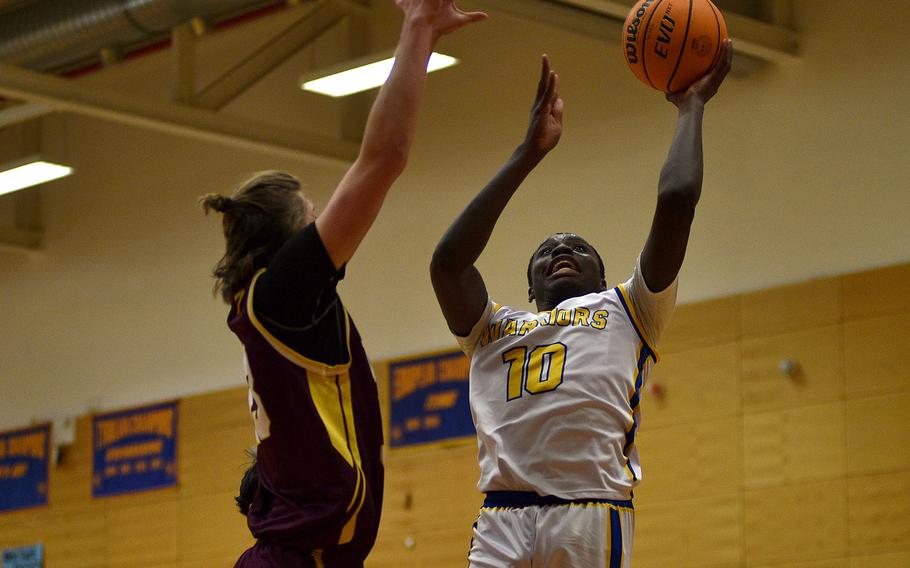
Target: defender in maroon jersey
314 495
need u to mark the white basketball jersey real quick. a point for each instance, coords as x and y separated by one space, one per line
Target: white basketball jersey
555 395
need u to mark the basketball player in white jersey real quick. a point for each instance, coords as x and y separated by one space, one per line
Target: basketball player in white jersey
555 394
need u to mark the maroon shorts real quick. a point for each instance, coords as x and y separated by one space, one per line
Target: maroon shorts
271 555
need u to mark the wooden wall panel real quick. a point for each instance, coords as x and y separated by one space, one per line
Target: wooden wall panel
819 377
700 384
794 445
141 530
878 434
798 306
210 526
422 483
438 548
214 461
701 324
877 354
880 513
877 292
20 528
697 532
796 522
896 560
832 563
212 412
430 497
215 432
74 535
681 461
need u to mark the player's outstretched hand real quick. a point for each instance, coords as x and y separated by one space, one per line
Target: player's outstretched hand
707 86
545 127
443 16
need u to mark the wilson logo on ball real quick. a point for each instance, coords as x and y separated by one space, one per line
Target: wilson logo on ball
669 44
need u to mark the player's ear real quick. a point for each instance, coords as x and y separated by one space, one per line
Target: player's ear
530 294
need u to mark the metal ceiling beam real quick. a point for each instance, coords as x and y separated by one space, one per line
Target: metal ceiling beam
183 57
200 124
604 19
22 113
278 49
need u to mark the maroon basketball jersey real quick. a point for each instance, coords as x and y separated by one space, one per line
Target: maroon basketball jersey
320 438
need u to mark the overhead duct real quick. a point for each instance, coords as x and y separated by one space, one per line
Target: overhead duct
50 35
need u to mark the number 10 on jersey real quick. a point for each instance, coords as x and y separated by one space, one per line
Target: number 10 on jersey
537 371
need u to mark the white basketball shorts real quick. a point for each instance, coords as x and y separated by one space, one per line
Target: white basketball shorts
524 530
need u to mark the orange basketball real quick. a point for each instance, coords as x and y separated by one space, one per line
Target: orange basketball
669 44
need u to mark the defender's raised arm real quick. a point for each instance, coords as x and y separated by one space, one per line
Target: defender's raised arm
390 127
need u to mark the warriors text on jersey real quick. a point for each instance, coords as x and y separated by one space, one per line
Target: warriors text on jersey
555 395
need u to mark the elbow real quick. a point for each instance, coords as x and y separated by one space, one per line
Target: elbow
386 159
439 262
679 199
443 264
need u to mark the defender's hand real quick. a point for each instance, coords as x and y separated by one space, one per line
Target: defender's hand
443 16
706 87
545 128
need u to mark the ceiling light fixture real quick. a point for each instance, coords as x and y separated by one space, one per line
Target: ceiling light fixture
363 76
28 172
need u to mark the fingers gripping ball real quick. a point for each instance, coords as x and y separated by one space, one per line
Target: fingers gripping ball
669 44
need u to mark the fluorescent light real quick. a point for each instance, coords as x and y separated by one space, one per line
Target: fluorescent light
31 174
367 76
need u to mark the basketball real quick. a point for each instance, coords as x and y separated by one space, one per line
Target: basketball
670 44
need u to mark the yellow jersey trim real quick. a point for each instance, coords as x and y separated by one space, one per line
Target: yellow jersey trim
332 398
637 322
289 353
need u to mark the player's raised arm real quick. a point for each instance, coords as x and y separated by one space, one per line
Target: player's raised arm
680 180
459 287
390 127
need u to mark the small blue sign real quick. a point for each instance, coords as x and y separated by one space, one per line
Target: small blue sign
24 557
134 450
24 459
429 400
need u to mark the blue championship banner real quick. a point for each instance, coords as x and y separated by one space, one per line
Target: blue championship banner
24 458
134 450
429 400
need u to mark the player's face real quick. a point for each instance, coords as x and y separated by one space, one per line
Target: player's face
564 266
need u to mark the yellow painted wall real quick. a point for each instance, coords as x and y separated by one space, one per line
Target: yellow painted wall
743 466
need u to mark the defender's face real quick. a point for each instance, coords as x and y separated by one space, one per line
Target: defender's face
564 266
309 211
310 215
